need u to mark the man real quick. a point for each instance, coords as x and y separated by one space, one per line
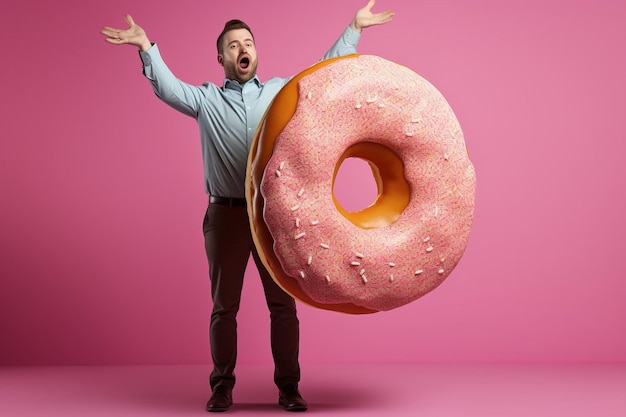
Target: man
228 117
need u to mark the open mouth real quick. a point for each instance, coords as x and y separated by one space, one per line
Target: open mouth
244 63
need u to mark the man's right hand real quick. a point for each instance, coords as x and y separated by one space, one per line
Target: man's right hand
134 35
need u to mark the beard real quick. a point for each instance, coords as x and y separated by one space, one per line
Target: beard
241 73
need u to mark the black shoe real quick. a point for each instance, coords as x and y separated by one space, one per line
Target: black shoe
221 400
290 399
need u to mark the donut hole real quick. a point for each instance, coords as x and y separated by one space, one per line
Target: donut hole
355 186
392 189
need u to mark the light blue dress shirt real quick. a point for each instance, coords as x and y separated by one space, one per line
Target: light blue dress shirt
227 116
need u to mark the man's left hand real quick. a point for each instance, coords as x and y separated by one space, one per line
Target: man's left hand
364 17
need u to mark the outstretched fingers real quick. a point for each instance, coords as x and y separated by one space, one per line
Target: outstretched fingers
133 35
112 35
130 20
384 17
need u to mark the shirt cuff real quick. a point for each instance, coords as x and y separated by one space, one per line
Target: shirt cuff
351 37
146 56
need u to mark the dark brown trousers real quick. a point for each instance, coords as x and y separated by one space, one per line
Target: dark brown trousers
228 244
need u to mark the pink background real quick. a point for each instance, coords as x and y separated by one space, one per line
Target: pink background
101 199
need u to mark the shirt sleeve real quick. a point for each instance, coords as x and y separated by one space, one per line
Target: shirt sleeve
181 96
345 45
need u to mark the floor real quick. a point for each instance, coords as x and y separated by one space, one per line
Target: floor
590 390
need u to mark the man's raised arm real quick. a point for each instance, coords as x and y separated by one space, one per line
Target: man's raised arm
363 18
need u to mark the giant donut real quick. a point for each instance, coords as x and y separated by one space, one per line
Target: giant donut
411 237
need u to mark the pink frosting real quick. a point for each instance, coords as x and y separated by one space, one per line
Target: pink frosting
367 98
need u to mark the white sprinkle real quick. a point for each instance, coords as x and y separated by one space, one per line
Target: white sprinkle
300 192
371 100
446 156
359 255
392 264
282 165
362 272
443 259
309 95
309 260
296 207
381 105
436 211
441 271
358 106
355 263
327 278
415 120
325 245
391 278
315 222
297 222
418 272
278 173
301 274
364 278
429 249
409 134
299 235
426 239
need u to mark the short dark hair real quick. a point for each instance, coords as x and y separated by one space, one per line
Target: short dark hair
231 25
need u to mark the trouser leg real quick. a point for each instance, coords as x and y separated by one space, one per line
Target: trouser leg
227 248
284 330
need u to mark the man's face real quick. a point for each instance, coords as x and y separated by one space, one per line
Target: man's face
238 56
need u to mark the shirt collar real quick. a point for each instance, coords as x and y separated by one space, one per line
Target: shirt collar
234 85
